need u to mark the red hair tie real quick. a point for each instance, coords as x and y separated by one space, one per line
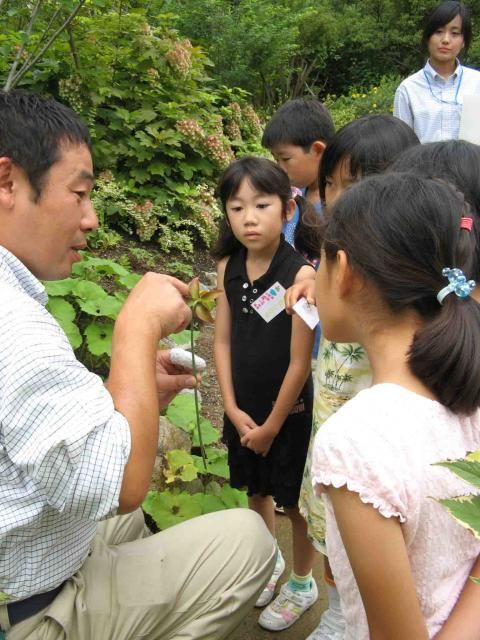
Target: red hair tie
466 223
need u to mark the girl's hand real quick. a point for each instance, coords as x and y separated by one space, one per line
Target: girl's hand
303 289
242 421
259 440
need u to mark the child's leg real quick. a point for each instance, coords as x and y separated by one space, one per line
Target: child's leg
332 622
263 505
300 592
303 550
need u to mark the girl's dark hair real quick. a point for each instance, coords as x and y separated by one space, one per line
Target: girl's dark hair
369 144
399 231
266 177
456 162
442 15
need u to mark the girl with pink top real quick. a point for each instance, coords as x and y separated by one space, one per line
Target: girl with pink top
395 276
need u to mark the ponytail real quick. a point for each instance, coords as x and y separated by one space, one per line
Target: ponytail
399 232
445 354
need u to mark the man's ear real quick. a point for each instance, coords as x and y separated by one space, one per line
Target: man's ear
291 204
318 147
6 182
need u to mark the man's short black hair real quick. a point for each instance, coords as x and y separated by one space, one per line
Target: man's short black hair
32 130
299 122
442 15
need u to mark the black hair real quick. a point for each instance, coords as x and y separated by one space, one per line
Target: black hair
455 161
266 177
32 130
442 15
299 122
399 231
369 144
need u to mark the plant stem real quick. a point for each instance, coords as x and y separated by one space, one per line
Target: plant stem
195 395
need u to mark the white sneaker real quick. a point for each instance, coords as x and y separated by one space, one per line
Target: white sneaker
331 626
287 607
267 594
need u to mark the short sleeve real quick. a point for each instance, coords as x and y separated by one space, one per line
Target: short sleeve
58 422
401 106
354 449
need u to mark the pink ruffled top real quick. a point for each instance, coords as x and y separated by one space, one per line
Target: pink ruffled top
382 445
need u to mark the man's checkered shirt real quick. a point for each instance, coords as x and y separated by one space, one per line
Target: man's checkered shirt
432 105
63 447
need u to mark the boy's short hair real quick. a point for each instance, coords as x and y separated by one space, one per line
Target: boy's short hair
299 122
32 129
445 13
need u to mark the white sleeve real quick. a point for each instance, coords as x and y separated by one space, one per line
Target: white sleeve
349 452
401 106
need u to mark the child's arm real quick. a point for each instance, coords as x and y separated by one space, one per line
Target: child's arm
378 557
260 439
304 288
223 363
464 621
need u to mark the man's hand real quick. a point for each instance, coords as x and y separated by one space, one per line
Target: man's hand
259 440
171 379
157 302
242 421
303 289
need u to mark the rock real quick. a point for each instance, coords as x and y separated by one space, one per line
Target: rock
172 437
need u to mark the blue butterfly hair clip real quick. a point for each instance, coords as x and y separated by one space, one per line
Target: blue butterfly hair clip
457 284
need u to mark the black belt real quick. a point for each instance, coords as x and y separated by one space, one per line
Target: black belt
22 609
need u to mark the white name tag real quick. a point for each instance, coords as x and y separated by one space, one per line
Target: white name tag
270 303
307 312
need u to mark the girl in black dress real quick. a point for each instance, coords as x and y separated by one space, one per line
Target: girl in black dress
263 366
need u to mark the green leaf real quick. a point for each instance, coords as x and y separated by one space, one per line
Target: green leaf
108 306
61 309
129 280
87 290
233 498
169 508
99 338
466 511
59 287
209 433
217 462
181 412
180 466
209 503
183 337
467 469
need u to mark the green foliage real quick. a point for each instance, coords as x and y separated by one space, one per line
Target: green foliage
376 99
87 304
465 509
182 413
168 508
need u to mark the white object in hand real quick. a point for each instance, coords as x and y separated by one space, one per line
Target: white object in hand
183 358
307 312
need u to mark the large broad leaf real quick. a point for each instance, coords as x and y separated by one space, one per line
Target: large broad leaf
99 338
466 511
64 313
183 337
217 462
233 498
87 290
468 469
181 412
108 306
180 466
129 280
169 507
209 433
59 287
209 502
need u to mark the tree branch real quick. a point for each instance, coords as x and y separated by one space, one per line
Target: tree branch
31 61
13 68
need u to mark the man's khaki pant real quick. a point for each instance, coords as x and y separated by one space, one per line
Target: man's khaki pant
196 580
